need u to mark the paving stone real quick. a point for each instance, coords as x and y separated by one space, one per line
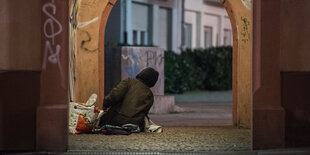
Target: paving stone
192 139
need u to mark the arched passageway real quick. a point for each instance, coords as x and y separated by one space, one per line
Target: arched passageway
277 68
267 106
88 44
90 38
88 29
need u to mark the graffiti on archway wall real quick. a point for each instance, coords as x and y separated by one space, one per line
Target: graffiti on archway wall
135 59
52 28
86 18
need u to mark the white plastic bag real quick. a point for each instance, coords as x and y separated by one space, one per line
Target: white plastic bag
82 116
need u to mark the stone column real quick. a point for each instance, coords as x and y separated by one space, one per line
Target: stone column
128 20
90 23
20 66
154 29
268 114
52 113
295 71
240 16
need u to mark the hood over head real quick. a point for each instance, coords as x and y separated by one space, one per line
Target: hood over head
148 76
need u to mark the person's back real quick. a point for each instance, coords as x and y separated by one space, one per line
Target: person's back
131 100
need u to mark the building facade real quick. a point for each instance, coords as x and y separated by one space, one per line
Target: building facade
206 24
169 24
146 23
281 73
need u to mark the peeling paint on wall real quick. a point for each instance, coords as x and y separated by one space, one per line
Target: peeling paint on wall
85 31
83 24
74 7
247 4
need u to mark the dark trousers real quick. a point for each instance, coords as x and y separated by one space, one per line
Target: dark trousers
114 118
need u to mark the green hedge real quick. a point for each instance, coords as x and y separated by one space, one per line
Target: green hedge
199 69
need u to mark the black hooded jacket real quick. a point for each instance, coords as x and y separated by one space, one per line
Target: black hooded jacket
131 100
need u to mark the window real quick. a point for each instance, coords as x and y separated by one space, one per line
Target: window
139 37
135 37
139 23
208 36
227 37
142 38
212 2
187 38
165 28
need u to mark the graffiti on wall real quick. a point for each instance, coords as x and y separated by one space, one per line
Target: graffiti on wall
133 68
86 37
86 40
154 59
245 32
51 28
136 59
134 65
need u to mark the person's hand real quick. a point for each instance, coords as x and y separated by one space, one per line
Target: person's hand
105 109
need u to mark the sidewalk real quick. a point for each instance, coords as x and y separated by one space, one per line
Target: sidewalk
204 96
205 125
196 114
203 108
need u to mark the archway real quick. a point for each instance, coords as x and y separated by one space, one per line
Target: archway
240 14
89 44
87 27
267 109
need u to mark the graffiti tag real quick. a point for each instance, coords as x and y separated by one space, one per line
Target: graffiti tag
51 51
154 58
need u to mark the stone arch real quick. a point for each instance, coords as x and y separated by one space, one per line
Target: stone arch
88 20
240 15
89 45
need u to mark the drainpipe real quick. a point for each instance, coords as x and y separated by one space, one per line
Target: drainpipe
182 24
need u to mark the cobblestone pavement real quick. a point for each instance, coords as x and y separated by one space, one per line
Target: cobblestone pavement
203 126
173 139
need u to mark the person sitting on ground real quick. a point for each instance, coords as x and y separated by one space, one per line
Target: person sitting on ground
130 101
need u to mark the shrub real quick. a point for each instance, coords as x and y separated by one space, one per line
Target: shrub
199 69
173 73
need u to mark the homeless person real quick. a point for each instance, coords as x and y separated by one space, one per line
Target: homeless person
130 101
